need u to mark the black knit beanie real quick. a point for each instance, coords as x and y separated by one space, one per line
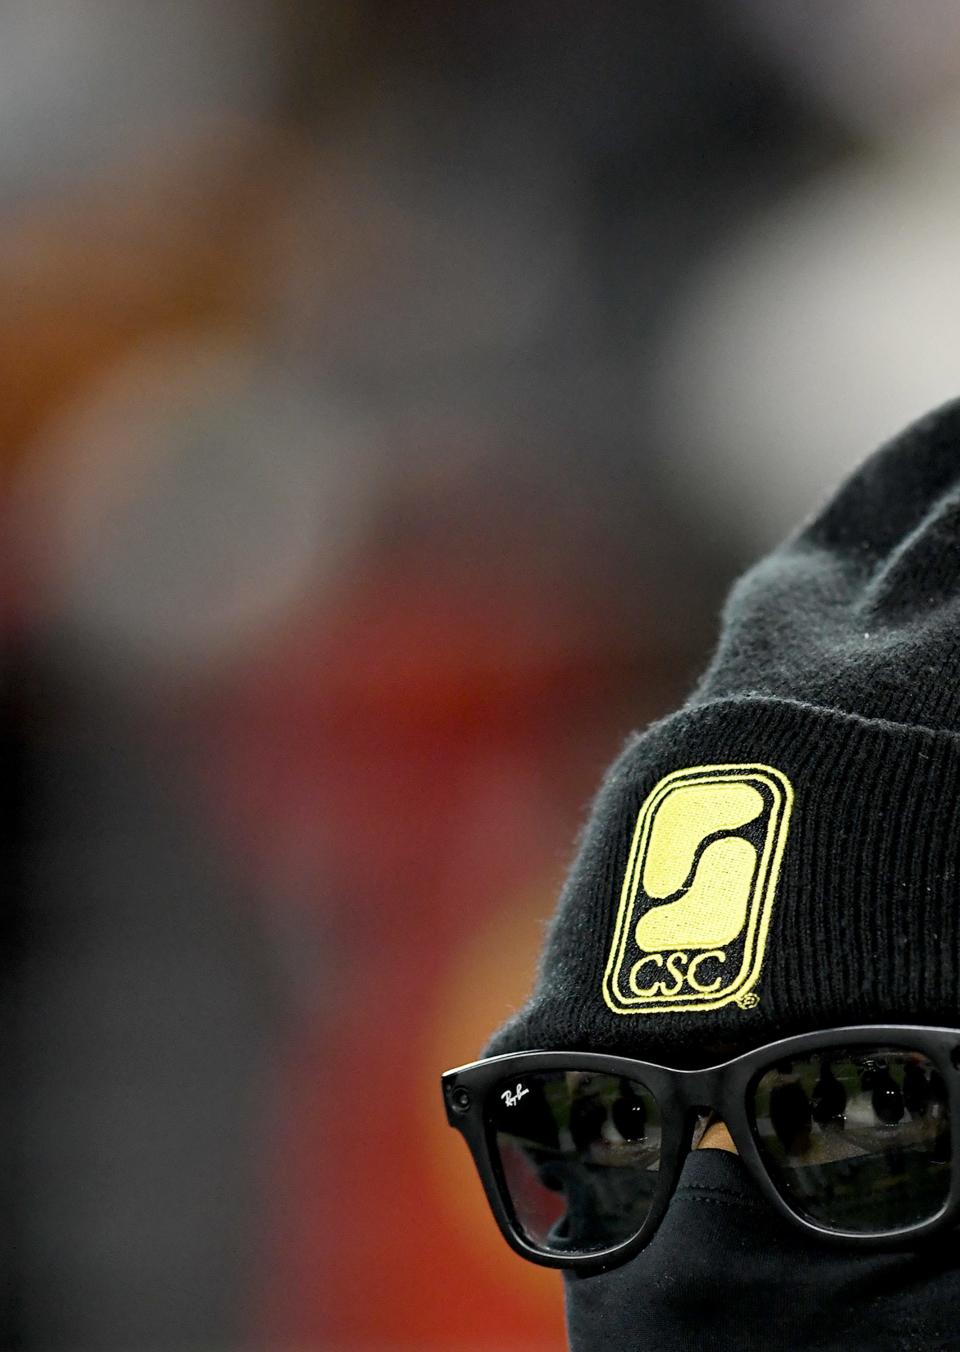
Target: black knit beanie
782 853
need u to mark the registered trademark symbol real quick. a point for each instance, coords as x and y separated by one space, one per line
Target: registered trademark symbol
748 1001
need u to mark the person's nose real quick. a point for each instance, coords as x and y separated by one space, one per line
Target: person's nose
716 1137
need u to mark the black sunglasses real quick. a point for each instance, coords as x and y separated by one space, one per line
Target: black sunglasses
846 1132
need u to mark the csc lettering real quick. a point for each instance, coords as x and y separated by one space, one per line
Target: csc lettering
680 966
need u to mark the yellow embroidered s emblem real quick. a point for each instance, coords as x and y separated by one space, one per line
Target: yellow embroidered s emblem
698 891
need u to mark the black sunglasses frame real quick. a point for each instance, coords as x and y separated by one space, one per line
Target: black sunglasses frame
682 1097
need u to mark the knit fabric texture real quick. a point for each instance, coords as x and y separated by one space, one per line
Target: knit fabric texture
782 853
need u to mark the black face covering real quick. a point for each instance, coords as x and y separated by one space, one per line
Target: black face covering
724 1272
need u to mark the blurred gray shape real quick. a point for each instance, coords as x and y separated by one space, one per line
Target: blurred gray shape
80 82
181 509
877 65
144 1043
815 333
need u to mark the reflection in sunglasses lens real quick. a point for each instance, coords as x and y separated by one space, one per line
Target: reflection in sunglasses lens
579 1154
856 1138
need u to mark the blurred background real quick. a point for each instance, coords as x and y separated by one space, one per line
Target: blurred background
390 391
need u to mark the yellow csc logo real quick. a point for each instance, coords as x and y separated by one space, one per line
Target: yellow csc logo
698 890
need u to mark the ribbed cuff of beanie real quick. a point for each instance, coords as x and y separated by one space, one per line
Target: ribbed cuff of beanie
861 922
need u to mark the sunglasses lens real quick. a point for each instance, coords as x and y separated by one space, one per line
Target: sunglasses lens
856 1139
579 1155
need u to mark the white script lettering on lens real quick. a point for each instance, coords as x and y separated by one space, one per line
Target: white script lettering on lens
512 1099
